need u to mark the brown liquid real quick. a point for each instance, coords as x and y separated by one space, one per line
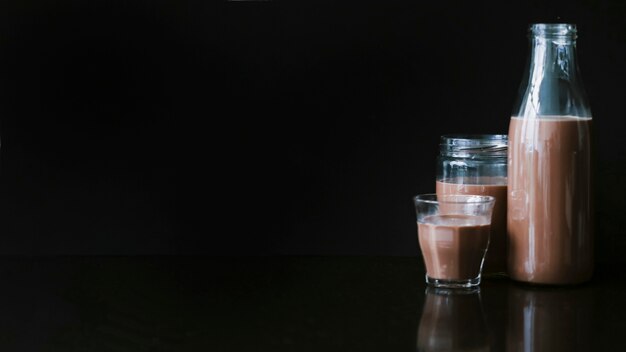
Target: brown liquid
549 200
495 259
453 246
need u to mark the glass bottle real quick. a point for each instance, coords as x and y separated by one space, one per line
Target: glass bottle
549 220
477 164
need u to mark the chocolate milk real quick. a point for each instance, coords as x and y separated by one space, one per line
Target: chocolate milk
495 260
549 200
453 246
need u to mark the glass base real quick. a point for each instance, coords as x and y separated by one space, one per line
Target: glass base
468 283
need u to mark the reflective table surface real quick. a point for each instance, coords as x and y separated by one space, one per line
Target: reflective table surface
293 304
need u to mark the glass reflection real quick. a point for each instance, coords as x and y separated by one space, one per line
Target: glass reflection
549 319
452 320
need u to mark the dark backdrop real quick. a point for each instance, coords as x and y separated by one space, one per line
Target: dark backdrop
268 127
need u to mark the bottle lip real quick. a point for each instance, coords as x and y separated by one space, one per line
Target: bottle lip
474 145
553 30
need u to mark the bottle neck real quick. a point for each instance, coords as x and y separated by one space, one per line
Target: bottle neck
554 58
552 84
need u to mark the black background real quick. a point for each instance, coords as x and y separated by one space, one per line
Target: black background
267 127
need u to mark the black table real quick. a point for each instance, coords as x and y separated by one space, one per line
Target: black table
292 304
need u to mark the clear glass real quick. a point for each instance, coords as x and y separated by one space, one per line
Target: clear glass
477 164
453 234
452 320
472 159
552 84
549 196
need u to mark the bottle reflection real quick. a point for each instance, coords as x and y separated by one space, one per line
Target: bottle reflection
549 319
452 320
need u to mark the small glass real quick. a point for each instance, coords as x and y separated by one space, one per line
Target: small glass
453 233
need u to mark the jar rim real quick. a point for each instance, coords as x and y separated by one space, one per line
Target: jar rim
474 145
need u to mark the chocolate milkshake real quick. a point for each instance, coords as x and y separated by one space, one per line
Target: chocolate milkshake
550 239
453 246
495 260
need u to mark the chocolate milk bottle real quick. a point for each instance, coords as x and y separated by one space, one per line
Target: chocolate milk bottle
549 195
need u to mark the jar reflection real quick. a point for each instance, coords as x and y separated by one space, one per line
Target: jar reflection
549 319
452 320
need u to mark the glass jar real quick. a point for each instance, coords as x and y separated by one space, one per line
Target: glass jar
477 164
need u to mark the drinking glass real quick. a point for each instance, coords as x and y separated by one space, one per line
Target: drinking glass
453 233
